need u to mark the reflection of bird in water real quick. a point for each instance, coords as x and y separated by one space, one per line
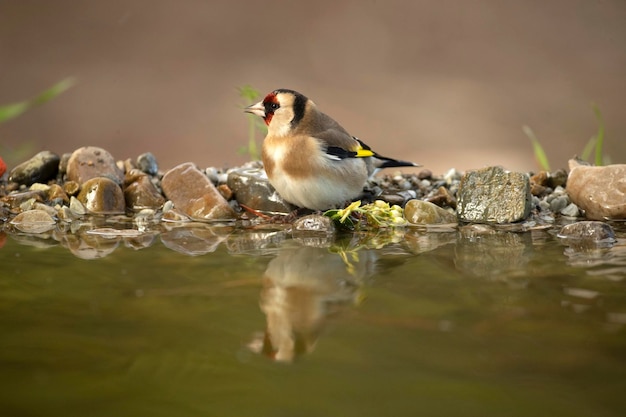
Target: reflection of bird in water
303 286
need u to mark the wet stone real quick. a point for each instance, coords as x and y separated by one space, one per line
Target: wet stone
147 163
40 168
56 195
314 223
34 221
71 187
140 193
14 200
91 162
252 189
589 230
425 213
194 194
442 197
102 196
493 195
599 191
76 207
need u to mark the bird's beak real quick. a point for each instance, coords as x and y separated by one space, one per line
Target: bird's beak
258 109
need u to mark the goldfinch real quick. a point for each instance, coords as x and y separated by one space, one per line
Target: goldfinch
309 158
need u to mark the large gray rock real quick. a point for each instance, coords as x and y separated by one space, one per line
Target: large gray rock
600 191
194 194
493 195
40 168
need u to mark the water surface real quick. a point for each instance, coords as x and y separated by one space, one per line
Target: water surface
212 321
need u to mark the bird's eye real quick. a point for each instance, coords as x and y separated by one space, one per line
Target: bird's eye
274 106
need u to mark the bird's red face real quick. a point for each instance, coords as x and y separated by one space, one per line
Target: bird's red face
265 108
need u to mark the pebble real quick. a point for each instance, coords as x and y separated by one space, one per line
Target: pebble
147 163
194 194
34 221
40 168
102 195
91 162
599 190
314 223
571 210
140 193
252 189
418 212
493 195
589 231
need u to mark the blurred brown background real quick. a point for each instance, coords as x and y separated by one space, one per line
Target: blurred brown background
444 83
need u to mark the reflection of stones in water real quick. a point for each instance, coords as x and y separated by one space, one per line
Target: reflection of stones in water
195 239
493 255
303 287
86 246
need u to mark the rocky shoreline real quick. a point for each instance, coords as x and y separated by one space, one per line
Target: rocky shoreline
50 189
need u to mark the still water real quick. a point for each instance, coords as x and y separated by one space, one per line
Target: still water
213 321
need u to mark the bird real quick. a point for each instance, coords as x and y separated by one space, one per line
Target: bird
309 158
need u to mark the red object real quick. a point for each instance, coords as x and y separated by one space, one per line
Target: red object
3 167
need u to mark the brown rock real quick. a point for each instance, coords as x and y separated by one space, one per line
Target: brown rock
90 162
600 191
424 212
194 194
102 196
140 193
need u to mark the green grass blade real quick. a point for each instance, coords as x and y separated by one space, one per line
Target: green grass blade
11 111
540 154
599 135
589 147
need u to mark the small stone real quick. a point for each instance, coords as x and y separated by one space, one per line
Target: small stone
147 163
420 212
493 195
194 194
102 195
56 195
540 178
252 189
591 231
424 174
92 162
34 221
225 191
557 178
14 200
571 210
65 158
442 198
314 223
599 190
71 187
40 168
559 203
140 193
76 207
